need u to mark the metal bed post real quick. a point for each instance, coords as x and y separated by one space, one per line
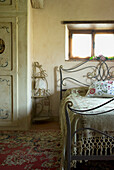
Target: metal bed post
61 82
68 136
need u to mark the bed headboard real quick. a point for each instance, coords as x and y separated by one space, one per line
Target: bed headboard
95 68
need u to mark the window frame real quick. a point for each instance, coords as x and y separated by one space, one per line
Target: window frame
90 31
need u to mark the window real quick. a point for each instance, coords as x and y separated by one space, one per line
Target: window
79 41
89 39
83 44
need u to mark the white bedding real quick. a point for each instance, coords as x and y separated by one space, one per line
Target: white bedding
104 123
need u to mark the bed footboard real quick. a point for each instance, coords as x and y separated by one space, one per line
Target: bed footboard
93 149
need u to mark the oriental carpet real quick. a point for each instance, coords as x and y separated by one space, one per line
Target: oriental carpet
38 150
30 150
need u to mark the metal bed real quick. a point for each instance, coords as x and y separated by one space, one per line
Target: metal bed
100 71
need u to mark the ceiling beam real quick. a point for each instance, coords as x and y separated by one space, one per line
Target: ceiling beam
37 4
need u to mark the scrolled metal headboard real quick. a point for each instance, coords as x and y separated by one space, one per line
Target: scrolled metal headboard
101 71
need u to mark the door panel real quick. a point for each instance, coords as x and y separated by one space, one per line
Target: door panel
5 2
5 46
8 5
8 72
6 97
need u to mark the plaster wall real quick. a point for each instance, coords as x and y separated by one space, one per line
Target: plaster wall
29 58
49 34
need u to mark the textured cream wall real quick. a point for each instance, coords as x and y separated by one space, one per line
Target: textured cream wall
49 33
29 58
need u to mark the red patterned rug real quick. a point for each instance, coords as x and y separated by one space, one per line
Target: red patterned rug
30 150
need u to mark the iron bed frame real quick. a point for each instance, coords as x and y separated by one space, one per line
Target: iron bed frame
100 72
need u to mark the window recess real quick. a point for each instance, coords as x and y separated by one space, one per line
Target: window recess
84 40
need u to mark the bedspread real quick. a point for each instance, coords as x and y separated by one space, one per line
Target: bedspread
104 123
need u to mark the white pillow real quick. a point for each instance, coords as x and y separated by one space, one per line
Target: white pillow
101 89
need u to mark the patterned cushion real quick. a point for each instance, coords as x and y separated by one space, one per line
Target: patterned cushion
101 89
76 90
80 90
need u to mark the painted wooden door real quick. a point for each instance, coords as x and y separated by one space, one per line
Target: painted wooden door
14 91
8 72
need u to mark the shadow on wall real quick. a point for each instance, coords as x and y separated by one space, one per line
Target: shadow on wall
55 98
